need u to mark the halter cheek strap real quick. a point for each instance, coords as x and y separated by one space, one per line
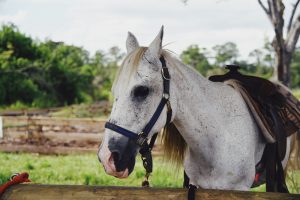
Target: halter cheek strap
141 138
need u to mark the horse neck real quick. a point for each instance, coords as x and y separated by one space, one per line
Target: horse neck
197 100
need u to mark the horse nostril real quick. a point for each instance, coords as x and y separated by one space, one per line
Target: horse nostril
116 156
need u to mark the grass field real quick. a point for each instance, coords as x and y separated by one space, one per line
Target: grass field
82 169
86 170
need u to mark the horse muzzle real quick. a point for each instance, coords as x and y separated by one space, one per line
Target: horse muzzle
117 158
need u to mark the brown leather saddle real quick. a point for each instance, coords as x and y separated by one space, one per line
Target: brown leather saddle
276 112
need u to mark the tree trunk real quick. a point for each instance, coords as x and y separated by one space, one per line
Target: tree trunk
285 76
284 47
283 60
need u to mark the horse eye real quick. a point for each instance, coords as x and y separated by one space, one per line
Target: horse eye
140 93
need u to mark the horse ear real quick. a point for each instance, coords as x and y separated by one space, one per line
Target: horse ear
131 43
156 46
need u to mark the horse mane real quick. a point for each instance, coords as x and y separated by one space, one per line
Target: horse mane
173 143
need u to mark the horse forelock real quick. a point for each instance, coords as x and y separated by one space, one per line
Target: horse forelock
128 67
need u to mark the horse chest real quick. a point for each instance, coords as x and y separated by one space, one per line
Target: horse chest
218 153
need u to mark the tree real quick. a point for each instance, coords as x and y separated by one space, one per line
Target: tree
20 45
225 54
197 58
284 46
262 61
295 69
17 53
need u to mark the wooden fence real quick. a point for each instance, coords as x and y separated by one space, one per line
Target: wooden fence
76 192
51 135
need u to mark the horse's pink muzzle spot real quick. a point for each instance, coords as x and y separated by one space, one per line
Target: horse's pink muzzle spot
106 158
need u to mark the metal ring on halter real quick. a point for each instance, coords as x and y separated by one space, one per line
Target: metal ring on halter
166 96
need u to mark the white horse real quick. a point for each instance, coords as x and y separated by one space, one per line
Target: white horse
219 140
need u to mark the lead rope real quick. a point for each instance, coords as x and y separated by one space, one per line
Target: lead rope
15 179
146 156
145 182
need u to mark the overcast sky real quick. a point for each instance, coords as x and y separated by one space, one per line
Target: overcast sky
100 24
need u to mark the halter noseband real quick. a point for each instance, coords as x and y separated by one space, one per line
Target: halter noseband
141 138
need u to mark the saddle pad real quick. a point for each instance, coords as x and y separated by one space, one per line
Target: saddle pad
281 101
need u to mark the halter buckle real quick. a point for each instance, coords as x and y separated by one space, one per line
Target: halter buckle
165 73
141 139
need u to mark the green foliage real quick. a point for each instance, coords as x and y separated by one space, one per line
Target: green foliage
197 58
14 44
226 53
45 74
295 69
297 93
262 61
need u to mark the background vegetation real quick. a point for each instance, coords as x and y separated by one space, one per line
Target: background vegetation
36 73
47 74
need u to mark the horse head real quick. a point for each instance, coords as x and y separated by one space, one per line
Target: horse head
137 91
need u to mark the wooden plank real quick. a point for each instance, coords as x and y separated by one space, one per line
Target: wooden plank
50 137
77 192
68 121
64 150
44 149
1 128
73 137
14 121
15 136
29 112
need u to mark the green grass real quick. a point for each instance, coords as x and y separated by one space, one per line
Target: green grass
82 169
86 170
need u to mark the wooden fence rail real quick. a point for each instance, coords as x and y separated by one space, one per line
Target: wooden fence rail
52 135
76 192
